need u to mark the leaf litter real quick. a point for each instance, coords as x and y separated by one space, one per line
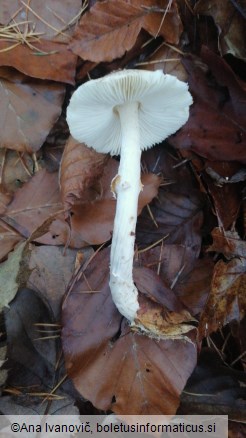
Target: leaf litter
192 290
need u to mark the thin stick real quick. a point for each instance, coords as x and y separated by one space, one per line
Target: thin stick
140 251
238 358
157 61
160 259
152 216
164 16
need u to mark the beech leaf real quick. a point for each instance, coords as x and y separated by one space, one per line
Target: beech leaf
230 25
227 300
216 126
50 60
92 218
111 27
111 365
29 109
9 271
37 201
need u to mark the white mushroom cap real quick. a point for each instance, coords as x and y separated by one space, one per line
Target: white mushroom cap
163 108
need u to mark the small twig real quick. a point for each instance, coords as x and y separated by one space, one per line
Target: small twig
189 7
160 259
75 18
44 21
238 358
181 163
24 164
56 387
177 277
140 251
157 61
238 8
152 216
46 338
174 48
164 16
4 151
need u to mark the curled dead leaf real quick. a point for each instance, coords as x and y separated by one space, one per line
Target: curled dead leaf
227 299
156 321
228 243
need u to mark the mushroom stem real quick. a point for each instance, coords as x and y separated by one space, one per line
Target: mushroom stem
126 186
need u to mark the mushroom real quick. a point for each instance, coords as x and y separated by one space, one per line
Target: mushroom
123 114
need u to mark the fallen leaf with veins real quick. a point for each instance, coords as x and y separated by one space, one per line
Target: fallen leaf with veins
227 299
230 25
216 126
29 109
228 243
110 28
112 366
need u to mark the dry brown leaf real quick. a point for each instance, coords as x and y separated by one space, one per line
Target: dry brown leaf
167 59
8 238
230 25
109 364
51 18
29 109
228 243
227 299
227 198
50 272
80 171
16 169
216 127
92 222
111 27
187 278
215 387
5 199
39 31
156 321
49 60
34 203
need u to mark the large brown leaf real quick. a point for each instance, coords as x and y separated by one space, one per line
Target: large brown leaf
92 218
9 238
50 272
186 278
215 387
51 18
112 366
29 109
227 299
111 27
227 197
177 212
48 60
228 243
39 33
216 127
34 203
230 25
